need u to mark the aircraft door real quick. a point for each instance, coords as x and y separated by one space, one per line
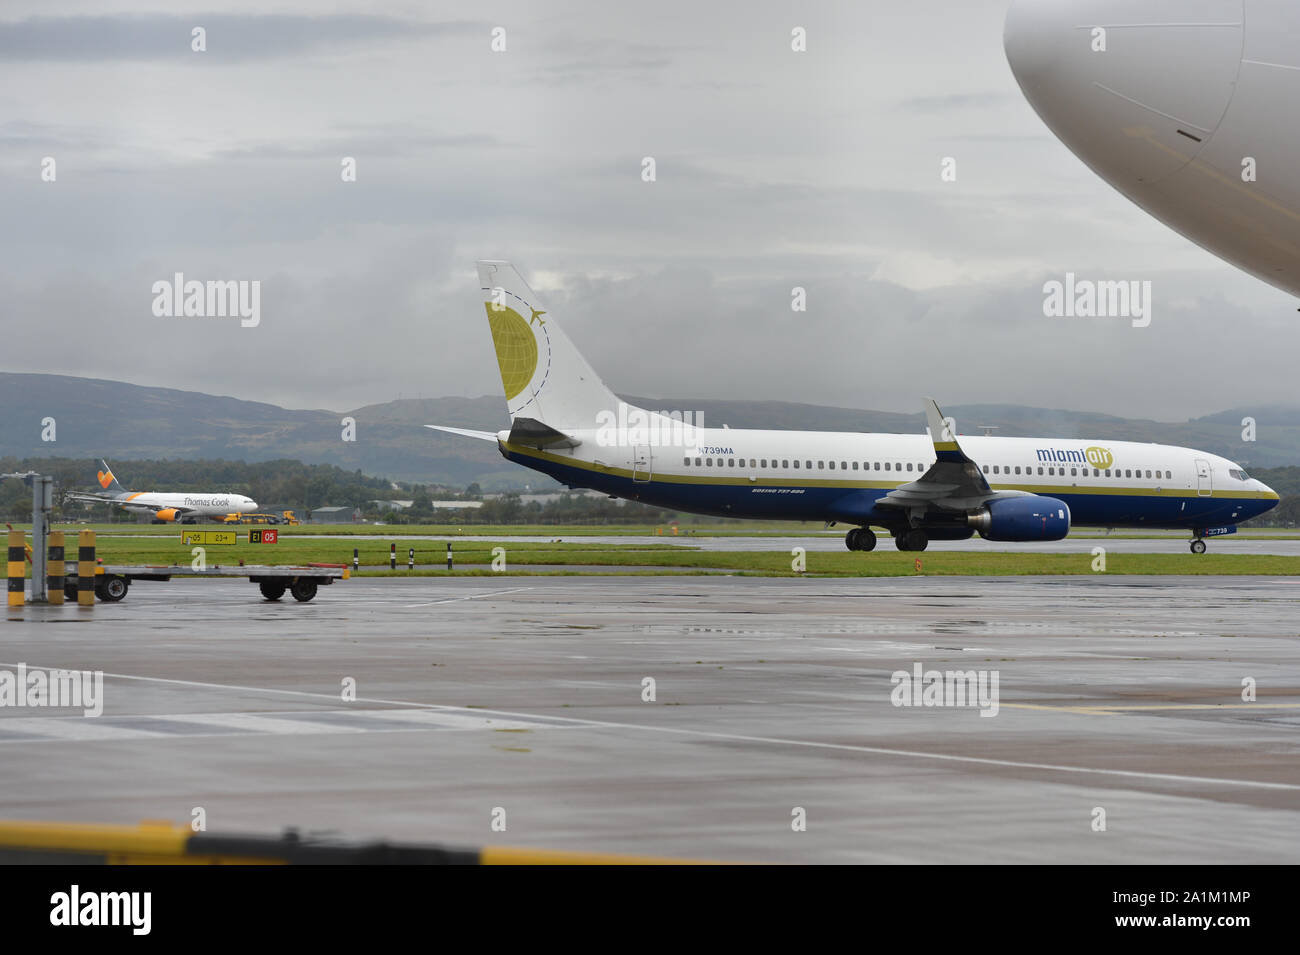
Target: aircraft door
641 463
1204 478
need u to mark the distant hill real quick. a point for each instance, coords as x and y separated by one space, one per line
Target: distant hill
117 420
113 419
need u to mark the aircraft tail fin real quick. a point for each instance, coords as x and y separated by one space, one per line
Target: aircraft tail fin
545 377
106 479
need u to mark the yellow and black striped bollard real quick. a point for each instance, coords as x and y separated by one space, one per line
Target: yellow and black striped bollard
17 570
55 569
86 569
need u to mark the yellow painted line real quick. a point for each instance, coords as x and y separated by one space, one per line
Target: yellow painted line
148 839
502 855
1204 706
1085 710
1106 709
161 843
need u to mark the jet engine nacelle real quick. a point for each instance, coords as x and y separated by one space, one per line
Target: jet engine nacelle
1030 518
166 514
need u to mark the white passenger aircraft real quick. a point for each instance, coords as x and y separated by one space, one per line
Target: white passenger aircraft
1184 106
566 423
185 508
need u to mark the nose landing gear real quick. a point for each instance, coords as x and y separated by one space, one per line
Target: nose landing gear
1198 546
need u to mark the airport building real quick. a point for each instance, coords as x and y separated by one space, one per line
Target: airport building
334 515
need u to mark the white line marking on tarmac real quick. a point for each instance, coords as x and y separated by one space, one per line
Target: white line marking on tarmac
736 737
450 600
43 730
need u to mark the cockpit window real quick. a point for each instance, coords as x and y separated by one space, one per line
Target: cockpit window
1239 474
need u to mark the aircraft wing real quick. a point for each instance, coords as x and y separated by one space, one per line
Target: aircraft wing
954 482
88 498
126 502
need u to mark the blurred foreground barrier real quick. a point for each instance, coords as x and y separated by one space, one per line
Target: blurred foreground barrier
16 570
161 843
86 569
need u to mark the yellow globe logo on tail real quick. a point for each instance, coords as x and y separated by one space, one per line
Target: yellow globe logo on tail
516 348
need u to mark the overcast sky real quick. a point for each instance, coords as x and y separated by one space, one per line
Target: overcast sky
775 169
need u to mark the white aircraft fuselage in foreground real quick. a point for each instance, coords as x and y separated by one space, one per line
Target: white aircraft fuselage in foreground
567 424
1187 107
167 506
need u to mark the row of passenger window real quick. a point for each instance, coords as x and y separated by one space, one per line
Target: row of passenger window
787 463
999 469
1077 472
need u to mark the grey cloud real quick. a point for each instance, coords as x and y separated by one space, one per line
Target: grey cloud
958 101
377 142
229 36
774 171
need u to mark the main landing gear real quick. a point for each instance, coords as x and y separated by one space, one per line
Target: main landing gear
914 539
860 538
1198 546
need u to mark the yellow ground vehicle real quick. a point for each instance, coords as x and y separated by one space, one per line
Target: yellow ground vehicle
284 518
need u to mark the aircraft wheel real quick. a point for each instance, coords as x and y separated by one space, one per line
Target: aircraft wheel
866 538
851 539
272 589
1198 547
913 540
303 590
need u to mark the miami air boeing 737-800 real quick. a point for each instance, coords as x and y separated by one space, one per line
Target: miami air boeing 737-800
918 487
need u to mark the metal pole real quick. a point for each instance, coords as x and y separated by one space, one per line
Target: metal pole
42 504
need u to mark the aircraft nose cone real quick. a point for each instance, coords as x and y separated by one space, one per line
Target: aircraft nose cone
1134 90
1030 37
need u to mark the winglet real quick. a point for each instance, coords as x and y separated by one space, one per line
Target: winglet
946 447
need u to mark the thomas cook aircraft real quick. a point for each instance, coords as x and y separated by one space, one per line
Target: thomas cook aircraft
566 423
185 508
